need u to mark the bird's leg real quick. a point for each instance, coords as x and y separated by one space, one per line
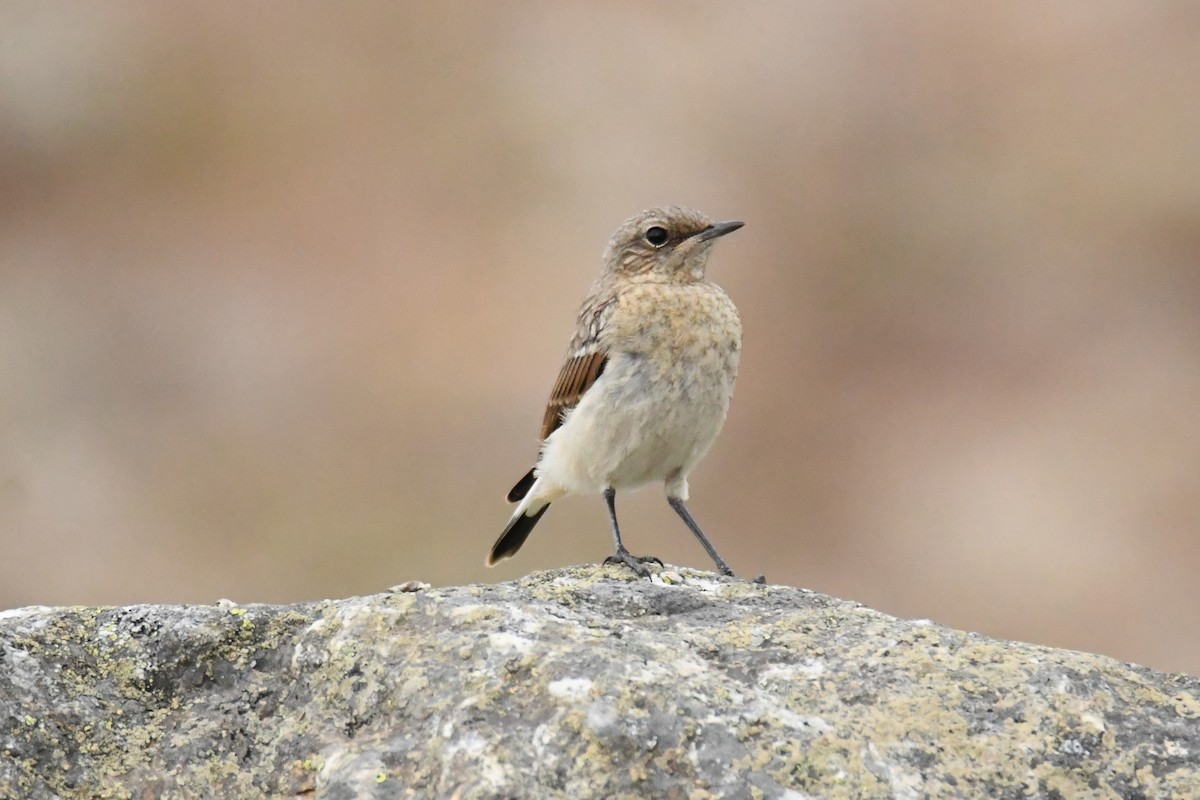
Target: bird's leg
681 510
623 556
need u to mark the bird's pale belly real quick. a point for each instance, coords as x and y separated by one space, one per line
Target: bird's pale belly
623 435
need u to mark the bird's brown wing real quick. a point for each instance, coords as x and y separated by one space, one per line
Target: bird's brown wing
579 373
575 378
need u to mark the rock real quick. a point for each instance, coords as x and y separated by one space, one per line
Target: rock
575 683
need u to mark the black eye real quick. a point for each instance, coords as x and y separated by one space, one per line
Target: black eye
657 236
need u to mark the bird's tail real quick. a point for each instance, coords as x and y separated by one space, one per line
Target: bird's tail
518 492
515 534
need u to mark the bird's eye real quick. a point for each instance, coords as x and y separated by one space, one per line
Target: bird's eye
657 236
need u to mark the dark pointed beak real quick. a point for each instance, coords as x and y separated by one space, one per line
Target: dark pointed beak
719 229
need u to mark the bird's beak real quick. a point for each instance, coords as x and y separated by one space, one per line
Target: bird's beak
719 229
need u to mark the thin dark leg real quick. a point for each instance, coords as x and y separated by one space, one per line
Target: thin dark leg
623 556
682 511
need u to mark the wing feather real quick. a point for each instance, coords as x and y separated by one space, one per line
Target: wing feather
576 377
578 374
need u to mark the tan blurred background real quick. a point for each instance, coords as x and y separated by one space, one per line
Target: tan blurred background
283 288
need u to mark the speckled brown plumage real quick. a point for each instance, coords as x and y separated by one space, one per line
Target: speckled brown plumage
647 379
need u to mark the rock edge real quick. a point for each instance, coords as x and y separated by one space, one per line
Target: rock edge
573 683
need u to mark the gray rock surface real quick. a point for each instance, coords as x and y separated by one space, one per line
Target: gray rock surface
575 683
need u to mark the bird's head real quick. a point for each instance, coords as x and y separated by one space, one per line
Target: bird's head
671 243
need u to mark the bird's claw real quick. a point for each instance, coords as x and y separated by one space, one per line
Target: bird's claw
635 563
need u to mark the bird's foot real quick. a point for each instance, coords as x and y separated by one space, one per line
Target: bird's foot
635 563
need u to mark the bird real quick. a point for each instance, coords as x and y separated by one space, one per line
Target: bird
647 380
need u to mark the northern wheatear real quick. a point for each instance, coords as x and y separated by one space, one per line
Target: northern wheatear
647 379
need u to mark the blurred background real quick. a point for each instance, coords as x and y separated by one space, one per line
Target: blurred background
284 287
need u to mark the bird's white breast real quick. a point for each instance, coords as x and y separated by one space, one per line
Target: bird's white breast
663 396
